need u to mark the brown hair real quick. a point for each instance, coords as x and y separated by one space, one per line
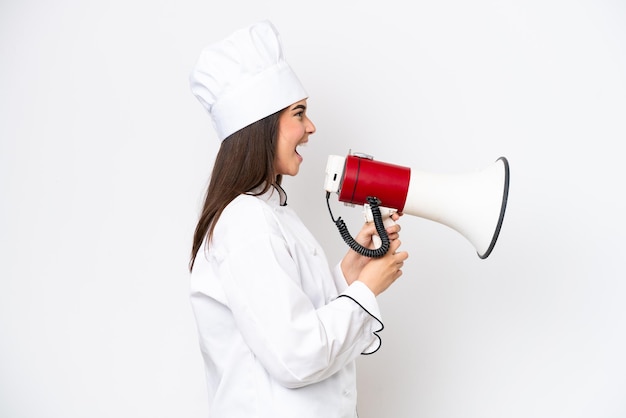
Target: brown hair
244 162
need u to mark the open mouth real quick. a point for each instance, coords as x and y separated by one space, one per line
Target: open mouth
298 146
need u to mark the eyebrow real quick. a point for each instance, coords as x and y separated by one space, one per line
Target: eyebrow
300 106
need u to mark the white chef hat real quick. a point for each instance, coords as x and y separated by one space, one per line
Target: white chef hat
245 78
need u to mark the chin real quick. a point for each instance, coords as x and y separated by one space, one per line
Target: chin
294 170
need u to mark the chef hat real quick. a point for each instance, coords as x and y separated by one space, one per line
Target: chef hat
245 78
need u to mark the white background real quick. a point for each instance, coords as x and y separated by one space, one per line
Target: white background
105 154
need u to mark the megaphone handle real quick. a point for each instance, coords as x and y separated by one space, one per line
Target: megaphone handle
378 222
375 238
387 221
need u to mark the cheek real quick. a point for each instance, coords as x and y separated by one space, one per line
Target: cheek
291 136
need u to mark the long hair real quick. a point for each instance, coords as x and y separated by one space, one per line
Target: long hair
244 162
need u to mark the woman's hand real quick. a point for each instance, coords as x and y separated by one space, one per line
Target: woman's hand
353 262
380 273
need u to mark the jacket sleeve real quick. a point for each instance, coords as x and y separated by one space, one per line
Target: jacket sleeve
360 294
296 343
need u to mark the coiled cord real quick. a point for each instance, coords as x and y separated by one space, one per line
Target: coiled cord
380 228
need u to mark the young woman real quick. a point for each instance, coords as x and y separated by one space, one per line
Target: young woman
279 329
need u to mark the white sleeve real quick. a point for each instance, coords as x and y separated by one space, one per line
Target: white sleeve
340 279
296 343
361 295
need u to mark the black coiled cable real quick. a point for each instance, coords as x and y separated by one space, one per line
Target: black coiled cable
380 228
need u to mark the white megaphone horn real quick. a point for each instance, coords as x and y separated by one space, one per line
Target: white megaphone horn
473 204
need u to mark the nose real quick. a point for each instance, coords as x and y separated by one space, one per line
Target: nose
310 127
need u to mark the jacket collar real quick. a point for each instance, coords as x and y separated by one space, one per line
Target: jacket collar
275 195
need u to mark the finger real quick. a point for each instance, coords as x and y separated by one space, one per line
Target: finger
393 237
402 256
395 244
367 230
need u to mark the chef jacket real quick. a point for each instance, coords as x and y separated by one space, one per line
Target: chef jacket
279 331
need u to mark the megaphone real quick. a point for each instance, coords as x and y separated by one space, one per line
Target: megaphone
473 203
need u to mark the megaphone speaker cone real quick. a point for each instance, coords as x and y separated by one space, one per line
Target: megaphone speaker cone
473 204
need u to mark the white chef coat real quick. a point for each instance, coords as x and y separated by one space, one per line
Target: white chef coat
279 330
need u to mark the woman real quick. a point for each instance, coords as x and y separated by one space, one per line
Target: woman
279 330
